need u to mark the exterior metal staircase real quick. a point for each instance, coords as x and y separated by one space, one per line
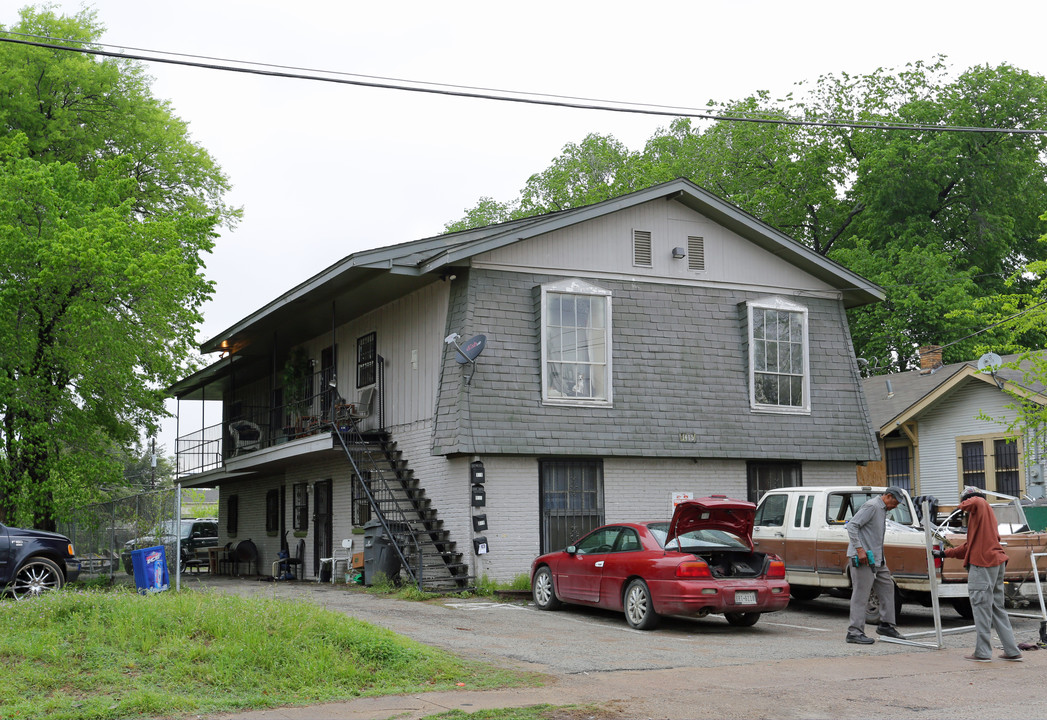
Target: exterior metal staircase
427 554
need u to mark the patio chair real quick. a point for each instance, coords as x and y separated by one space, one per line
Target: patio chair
246 436
282 567
346 557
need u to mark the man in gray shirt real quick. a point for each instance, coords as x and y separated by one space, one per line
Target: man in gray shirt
868 569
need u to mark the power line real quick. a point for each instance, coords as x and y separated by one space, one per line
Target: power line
292 73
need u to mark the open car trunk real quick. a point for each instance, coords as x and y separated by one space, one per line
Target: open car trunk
738 563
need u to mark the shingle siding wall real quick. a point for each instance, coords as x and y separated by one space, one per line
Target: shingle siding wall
680 366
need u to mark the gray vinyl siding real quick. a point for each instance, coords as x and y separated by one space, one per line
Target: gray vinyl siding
409 332
680 366
603 246
955 416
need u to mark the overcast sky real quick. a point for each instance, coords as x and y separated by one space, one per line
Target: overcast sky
323 170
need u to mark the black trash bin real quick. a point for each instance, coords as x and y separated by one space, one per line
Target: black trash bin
379 554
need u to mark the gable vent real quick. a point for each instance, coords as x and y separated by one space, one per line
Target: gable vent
695 253
642 248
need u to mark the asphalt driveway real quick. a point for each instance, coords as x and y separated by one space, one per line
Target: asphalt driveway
792 664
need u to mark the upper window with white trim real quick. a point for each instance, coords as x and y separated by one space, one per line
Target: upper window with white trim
779 371
576 343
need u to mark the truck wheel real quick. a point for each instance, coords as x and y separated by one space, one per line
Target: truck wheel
962 606
803 593
872 611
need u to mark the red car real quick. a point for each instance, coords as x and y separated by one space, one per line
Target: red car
700 562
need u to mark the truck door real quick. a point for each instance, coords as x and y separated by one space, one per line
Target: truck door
831 556
769 524
802 538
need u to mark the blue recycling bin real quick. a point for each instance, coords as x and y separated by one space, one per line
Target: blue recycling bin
150 569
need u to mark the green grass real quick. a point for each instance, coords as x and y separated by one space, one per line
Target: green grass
116 654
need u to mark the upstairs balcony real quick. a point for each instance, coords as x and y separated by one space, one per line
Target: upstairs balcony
317 408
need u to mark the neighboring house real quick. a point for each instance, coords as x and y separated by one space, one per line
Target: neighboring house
640 349
938 429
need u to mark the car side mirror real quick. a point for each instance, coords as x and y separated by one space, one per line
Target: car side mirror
570 549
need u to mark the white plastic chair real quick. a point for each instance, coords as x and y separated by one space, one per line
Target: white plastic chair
347 548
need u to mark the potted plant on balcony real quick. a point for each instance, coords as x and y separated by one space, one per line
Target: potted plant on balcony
297 379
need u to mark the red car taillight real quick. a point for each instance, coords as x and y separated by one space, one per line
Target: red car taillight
693 569
776 570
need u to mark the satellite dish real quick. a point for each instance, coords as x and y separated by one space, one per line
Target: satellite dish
990 362
470 349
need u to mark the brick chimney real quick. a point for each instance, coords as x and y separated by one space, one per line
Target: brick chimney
930 358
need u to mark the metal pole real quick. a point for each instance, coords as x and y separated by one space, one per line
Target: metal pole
932 575
178 536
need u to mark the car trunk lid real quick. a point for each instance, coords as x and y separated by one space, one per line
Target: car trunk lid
713 513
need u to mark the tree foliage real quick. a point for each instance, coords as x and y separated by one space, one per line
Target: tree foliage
106 210
945 222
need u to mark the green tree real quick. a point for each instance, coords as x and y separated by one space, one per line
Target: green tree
148 468
944 221
106 211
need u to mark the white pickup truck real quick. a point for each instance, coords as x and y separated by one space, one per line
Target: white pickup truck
805 526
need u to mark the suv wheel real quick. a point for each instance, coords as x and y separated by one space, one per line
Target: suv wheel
37 576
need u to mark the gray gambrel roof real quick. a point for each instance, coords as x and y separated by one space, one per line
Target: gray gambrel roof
368 279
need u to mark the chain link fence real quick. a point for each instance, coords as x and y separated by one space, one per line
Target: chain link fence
101 532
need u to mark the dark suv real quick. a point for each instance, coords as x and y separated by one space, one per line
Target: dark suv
34 561
198 534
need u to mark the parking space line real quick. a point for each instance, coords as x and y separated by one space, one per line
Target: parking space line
798 627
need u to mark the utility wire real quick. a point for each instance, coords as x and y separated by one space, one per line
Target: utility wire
504 95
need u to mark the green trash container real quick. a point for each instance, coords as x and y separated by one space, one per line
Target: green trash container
1036 516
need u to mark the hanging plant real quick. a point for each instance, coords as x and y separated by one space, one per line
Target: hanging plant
297 376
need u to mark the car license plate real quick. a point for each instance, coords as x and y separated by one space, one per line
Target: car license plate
745 597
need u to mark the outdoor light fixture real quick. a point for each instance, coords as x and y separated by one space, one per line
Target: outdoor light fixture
679 253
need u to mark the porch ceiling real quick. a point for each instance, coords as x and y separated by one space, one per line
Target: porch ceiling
313 309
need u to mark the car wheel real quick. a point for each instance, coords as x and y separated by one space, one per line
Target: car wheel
38 575
543 591
129 568
639 610
803 593
746 619
962 606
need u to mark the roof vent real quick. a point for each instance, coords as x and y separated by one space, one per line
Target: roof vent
642 248
695 253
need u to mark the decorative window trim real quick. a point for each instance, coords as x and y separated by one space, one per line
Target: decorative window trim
576 286
783 305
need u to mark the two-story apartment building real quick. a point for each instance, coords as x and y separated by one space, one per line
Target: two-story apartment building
655 345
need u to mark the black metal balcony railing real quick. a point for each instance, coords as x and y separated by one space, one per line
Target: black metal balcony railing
317 407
